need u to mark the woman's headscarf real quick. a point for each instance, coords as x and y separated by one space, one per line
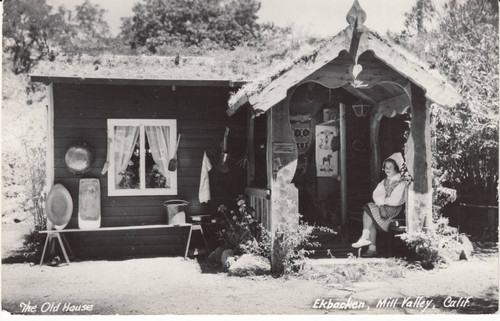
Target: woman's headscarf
398 158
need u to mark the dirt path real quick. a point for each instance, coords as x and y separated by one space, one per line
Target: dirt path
448 289
151 286
176 286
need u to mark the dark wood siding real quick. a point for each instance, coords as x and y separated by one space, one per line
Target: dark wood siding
126 243
81 113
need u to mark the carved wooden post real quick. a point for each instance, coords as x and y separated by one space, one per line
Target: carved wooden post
419 163
428 152
281 169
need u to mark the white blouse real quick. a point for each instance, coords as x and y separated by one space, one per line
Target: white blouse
397 194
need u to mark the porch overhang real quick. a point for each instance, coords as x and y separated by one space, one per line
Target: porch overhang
351 43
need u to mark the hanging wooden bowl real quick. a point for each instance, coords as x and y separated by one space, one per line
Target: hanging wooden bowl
59 206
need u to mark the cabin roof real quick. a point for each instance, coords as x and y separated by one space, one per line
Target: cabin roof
271 88
145 70
182 67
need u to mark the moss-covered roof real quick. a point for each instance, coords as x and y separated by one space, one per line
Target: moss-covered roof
141 67
264 79
264 70
270 88
242 64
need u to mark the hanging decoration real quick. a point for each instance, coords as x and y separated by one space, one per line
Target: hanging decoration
301 126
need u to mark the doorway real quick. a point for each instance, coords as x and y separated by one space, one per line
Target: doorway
314 118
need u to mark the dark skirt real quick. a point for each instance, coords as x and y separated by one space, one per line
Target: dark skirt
382 223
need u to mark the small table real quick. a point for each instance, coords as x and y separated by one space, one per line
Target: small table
52 235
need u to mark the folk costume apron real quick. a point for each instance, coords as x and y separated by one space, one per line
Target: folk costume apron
382 223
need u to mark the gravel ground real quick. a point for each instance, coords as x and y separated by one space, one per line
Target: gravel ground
176 286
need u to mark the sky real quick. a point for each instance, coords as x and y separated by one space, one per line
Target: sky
314 17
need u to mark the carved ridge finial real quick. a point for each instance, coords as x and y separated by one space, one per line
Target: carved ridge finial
356 16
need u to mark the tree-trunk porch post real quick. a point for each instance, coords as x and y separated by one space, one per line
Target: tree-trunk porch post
419 158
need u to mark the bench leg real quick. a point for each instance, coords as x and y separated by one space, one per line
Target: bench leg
389 242
203 237
50 243
63 248
49 237
66 243
188 242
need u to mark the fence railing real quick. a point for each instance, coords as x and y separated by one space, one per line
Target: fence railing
260 201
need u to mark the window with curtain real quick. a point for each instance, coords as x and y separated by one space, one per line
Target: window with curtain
139 151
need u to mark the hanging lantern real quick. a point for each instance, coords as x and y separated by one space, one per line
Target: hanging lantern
361 110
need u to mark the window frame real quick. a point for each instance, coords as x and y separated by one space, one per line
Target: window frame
142 191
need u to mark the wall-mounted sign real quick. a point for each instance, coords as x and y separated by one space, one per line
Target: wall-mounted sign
283 148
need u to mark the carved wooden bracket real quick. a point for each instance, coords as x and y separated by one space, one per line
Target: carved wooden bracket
356 18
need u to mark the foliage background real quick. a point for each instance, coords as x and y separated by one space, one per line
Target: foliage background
461 42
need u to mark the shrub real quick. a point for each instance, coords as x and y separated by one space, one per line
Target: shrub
245 235
33 244
438 244
262 247
290 248
35 184
242 232
442 197
292 245
424 246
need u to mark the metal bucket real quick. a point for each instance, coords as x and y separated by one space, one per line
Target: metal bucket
176 211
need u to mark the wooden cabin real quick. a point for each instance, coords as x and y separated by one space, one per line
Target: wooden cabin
316 133
88 95
319 129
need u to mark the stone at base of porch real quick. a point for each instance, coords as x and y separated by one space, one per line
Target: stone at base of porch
333 251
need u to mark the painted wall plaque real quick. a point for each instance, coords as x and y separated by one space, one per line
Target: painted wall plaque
327 160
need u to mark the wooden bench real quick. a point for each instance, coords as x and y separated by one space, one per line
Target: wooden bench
397 225
52 235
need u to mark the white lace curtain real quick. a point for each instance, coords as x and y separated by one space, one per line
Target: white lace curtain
125 140
158 138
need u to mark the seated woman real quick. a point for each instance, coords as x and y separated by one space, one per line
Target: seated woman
388 199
